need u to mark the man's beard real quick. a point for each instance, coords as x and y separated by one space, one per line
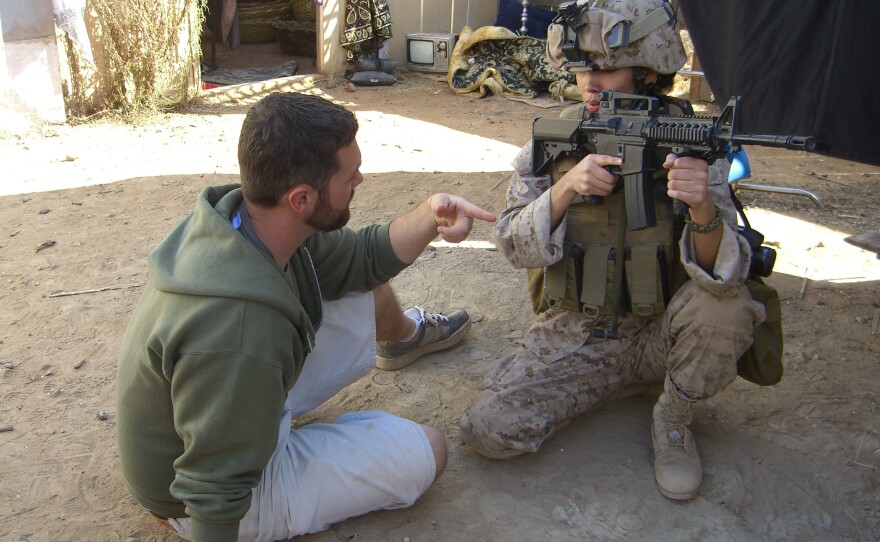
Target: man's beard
327 219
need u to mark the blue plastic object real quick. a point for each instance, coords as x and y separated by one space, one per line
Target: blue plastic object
739 166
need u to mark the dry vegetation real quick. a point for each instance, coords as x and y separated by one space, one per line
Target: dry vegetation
146 57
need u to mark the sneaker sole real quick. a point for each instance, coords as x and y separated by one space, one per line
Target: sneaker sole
393 364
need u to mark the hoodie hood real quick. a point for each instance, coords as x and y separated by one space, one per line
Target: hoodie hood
194 260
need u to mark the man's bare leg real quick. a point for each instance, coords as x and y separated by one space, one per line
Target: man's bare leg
391 324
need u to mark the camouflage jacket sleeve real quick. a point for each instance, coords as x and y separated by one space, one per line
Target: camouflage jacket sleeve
523 233
734 253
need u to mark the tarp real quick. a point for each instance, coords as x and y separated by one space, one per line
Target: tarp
805 67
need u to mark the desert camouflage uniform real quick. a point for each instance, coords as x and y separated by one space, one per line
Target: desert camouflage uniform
562 370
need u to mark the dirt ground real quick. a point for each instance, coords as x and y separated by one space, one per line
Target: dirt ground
83 206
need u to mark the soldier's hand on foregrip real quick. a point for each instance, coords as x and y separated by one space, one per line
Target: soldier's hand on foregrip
455 216
688 182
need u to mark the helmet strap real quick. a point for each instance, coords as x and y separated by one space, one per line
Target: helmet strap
639 73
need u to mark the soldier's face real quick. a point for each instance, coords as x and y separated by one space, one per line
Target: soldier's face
594 82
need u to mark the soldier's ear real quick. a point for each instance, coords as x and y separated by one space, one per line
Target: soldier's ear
650 76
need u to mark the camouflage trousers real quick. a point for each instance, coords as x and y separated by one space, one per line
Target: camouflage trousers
531 394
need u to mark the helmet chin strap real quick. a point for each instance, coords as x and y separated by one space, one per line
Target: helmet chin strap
642 87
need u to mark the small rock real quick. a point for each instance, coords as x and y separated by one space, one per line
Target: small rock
44 210
5 428
44 244
103 416
79 364
629 522
55 392
350 87
861 319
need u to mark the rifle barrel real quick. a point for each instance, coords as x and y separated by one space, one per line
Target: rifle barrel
793 142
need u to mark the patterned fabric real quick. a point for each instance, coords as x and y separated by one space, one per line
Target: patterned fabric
495 60
562 371
367 26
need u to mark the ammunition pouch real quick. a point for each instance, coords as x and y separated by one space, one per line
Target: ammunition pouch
646 279
583 280
762 362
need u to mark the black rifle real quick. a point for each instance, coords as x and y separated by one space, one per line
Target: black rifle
642 134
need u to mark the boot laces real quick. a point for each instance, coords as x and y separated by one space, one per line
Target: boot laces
676 437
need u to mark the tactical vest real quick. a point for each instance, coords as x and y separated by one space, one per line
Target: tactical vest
584 279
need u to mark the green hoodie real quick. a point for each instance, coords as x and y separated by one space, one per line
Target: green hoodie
216 341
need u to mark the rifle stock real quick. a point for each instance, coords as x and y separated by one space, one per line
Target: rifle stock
643 134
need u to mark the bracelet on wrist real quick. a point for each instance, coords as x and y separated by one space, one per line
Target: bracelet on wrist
704 228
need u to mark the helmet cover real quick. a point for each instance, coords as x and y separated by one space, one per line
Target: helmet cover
595 30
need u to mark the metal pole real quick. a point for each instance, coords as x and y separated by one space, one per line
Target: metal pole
452 19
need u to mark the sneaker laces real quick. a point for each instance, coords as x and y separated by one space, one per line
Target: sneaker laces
432 318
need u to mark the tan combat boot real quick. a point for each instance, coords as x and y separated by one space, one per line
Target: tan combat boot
677 467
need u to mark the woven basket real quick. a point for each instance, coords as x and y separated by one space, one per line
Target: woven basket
297 38
304 10
256 31
264 11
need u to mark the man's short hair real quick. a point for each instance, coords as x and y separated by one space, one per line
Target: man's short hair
289 138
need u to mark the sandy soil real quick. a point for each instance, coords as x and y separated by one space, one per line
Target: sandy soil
83 206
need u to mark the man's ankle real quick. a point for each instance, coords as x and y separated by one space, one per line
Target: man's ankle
412 318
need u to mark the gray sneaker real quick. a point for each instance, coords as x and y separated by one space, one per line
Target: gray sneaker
436 332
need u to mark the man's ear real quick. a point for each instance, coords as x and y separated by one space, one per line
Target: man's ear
301 199
650 76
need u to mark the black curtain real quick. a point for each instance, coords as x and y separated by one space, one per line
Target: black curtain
537 18
805 67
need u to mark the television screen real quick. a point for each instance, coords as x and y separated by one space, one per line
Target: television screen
421 52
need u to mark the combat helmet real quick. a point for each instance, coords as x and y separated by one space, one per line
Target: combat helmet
590 35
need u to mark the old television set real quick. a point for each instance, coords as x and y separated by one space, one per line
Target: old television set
429 51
